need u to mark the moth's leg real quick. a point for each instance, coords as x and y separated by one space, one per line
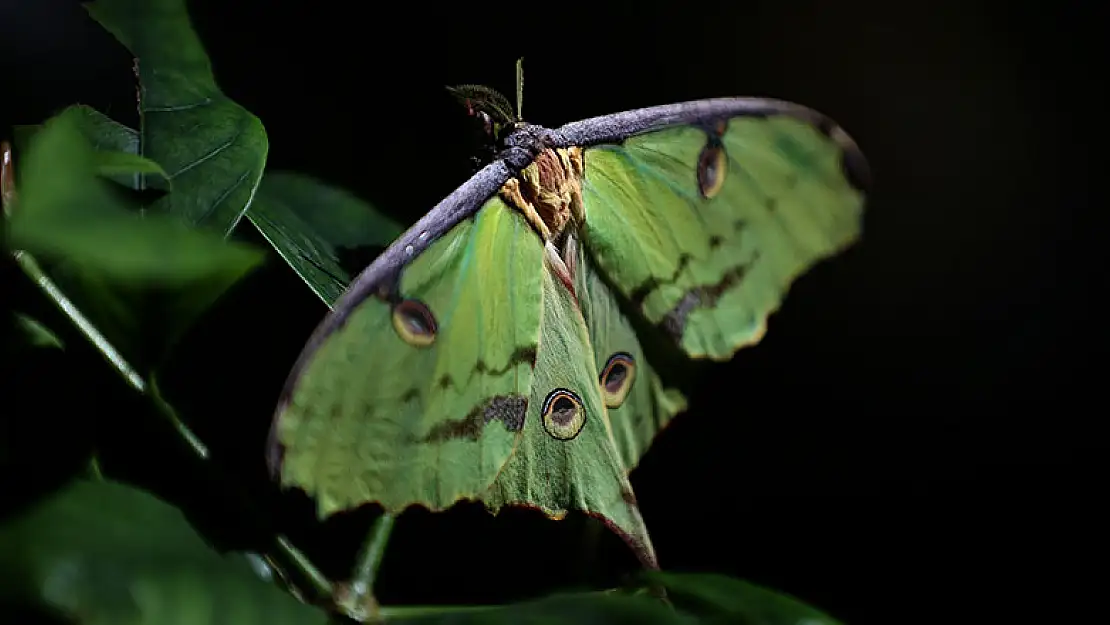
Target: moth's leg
570 255
559 267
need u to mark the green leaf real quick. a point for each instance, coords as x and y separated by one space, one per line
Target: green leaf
564 609
117 148
698 599
105 553
122 164
64 211
308 222
34 333
720 599
110 256
213 149
103 132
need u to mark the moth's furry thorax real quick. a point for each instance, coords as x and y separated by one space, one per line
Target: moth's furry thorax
549 191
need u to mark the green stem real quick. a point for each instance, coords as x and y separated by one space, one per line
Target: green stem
371 557
106 349
359 601
114 358
321 587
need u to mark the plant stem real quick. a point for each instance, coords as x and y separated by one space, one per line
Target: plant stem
372 551
358 599
321 586
114 358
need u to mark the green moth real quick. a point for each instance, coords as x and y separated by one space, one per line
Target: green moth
486 355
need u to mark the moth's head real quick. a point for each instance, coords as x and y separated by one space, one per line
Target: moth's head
491 109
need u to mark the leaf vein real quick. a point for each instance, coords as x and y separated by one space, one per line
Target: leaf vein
223 196
178 108
205 158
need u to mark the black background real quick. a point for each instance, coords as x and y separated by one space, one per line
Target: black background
916 438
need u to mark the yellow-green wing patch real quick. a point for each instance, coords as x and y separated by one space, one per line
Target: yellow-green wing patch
638 403
420 396
567 458
704 227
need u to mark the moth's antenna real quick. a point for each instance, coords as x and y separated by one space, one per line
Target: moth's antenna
519 88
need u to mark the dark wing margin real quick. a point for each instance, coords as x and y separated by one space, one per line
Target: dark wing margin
617 127
461 204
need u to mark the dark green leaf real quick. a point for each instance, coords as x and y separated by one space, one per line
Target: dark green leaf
213 149
105 133
720 599
116 145
34 333
102 552
116 165
308 222
111 257
65 211
566 609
